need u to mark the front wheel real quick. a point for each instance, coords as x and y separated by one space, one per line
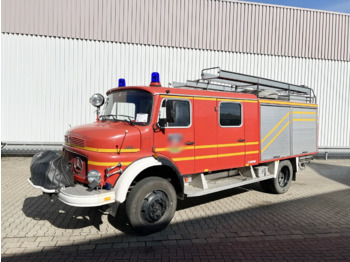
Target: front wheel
151 205
282 182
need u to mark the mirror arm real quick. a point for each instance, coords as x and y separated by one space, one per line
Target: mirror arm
97 113
156 127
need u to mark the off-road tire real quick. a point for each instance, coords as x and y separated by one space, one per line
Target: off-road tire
151 205
283 181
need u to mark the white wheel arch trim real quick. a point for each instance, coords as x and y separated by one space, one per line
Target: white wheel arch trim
126 178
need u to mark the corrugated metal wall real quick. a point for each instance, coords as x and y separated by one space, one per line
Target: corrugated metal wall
200 24
46 82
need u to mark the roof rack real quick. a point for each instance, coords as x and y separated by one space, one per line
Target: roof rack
217 79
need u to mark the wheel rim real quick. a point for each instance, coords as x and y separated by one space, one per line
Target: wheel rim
154 206
283 176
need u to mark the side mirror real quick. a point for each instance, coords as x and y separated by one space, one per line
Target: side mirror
162 117
162 123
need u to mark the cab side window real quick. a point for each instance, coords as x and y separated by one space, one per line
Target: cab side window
178 112
230 114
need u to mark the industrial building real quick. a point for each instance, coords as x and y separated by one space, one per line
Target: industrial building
56 54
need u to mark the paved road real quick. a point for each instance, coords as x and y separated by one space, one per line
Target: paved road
310 222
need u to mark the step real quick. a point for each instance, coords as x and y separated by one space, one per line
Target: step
216 185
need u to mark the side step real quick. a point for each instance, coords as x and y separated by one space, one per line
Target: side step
220 184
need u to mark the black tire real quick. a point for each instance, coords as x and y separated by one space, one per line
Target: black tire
282 182
151 205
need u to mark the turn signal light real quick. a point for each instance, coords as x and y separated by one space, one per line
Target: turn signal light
155 155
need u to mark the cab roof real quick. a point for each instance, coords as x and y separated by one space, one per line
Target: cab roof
186 92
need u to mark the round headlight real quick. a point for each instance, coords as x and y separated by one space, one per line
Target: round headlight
97 100
94 175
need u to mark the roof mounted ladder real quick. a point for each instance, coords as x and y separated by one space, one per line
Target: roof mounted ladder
222 80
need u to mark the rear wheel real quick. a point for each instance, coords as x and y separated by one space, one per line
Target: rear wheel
151 205
282 182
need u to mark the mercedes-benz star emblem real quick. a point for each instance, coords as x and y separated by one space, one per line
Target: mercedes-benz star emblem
78 165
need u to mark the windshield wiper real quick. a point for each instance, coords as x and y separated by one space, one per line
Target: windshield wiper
128 121
104 117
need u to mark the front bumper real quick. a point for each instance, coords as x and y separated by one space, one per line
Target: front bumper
80 196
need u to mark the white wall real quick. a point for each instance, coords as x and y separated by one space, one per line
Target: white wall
47 82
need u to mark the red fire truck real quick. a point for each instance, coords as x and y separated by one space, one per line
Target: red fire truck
152 145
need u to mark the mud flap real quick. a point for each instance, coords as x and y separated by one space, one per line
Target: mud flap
51 171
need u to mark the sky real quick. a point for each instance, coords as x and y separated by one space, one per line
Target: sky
342 6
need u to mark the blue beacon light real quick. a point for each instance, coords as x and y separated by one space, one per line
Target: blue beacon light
155 79
121 82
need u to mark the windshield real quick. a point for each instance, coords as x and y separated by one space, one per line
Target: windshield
133 106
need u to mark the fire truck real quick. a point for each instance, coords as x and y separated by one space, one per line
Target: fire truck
152 145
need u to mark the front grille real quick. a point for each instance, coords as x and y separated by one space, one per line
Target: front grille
78 163
75 141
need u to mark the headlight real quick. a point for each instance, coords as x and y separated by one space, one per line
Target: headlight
97 100
94 175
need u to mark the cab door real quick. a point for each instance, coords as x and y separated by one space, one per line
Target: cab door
231 137
205 130
175 137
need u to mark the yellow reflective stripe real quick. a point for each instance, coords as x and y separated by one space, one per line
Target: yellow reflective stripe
210 98
175 96
206 146
279 132
305 113
230 100
273 129
106 150
107 163
304 119
287 103
205 98
127 150
219 145
251 152
183 158
237 100
162 149
215 156
251 143
205 157
231 154
167 149
228 145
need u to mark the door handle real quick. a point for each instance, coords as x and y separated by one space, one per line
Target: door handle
240 140
189 143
